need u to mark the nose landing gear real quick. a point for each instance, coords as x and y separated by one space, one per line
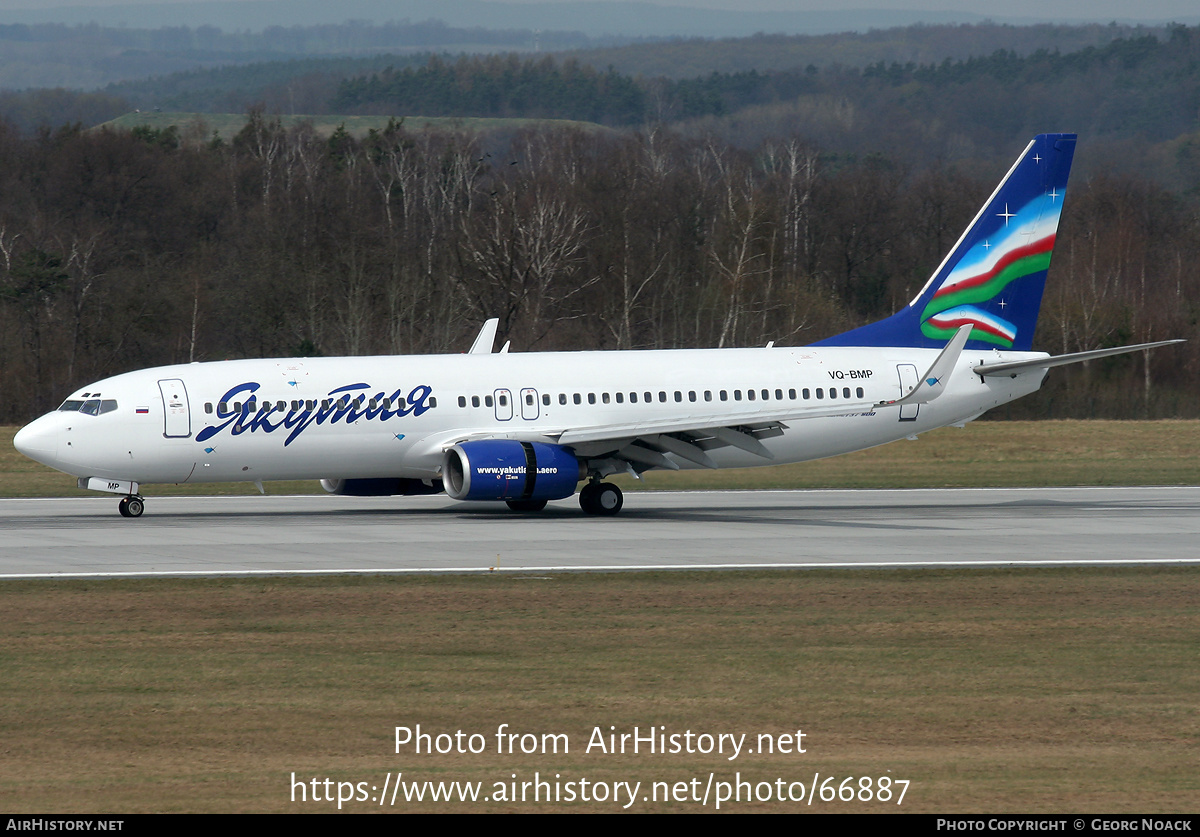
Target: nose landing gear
131 506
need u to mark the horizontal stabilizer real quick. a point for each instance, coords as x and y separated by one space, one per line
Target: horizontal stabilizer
1016 367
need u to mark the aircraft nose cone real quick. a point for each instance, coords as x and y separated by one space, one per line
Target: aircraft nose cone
38 441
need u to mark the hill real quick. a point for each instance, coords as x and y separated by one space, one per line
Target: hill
230 124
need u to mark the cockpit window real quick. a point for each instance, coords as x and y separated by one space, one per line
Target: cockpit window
91 407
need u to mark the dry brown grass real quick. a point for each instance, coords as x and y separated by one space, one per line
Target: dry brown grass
1009 690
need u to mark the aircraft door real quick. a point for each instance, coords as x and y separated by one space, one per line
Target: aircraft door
177 420
908 382
504 405
529 404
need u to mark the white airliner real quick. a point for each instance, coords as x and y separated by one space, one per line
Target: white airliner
528 428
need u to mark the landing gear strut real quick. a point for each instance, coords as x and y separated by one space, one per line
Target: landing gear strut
601 498
131 506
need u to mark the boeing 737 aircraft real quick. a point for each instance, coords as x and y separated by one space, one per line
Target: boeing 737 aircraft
528 428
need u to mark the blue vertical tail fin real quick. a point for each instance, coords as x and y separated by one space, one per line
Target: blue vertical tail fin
994 275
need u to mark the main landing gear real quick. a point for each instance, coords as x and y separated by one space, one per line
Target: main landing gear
131 506
601 498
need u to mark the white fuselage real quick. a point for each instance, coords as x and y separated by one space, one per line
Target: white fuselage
206 422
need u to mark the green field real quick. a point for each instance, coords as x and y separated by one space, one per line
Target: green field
1025 690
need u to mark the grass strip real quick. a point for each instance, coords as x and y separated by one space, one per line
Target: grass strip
991 690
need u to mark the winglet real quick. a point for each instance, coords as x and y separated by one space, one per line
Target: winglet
933 383
486 339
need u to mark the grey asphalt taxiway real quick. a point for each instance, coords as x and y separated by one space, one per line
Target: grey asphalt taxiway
85 537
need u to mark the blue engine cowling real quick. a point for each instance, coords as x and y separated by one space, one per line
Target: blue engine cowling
381 487
502 469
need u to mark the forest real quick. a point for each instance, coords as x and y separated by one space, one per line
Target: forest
126 249
1142 89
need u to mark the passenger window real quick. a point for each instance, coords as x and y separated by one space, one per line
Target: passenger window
662 397
833 392
858 393
208 407
620 398
503 400
724 395
529 399
804 392
576 398
474 400
820 394
845 392
633 398
737 395
749 395
432 402
562 398
462 400
708 395
678 396
487 400
691 395
779 395
591 398
792 394
545 400
604 397
310 404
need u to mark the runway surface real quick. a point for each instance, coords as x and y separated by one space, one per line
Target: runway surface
85 537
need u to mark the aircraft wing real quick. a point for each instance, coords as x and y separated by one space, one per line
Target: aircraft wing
646 442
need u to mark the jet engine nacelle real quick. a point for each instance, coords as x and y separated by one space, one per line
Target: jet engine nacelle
382 487
502 469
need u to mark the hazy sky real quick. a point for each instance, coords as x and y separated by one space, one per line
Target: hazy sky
1058 9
